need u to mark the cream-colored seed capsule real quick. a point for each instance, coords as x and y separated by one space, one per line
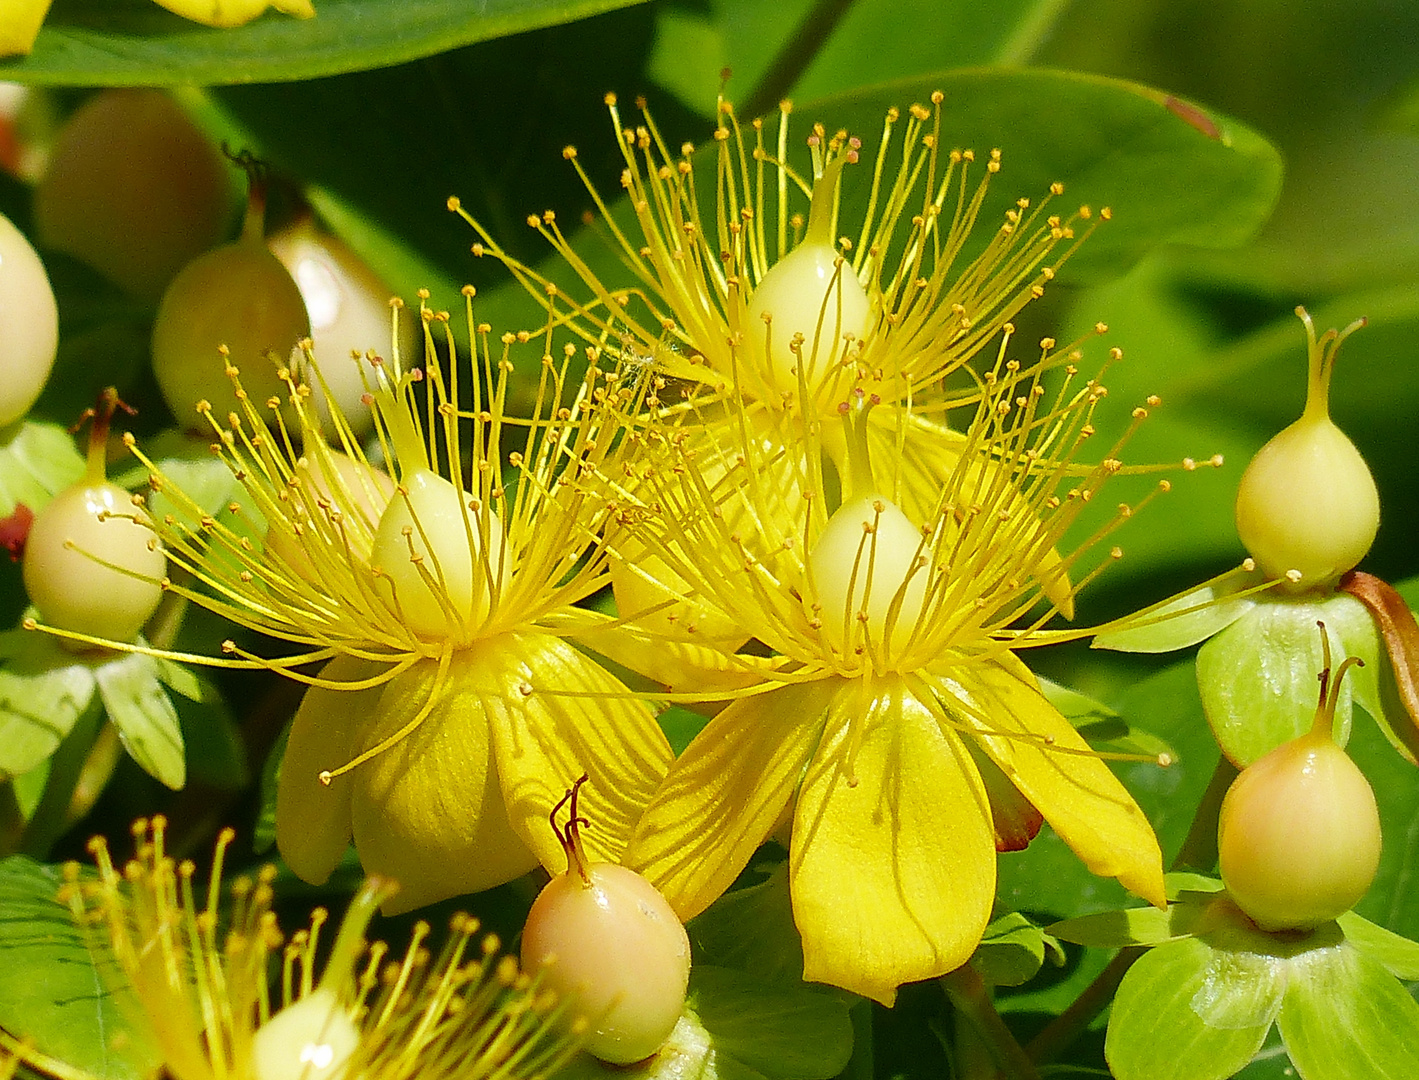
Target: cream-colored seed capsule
75 591
310 1039
1298 836
811 292
603 934
29 324
869 571
443 559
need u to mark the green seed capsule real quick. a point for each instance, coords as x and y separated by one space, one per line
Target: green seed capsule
1307 506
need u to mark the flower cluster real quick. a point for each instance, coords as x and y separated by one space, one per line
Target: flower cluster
825 489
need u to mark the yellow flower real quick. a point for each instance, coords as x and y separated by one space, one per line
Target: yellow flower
451 712
892 727
769 298
195 981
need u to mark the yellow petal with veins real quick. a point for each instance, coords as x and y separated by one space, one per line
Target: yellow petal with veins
556 714
428 811
726 792
893 856
1077 793
313 819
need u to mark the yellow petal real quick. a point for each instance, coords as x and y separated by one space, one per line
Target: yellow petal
726 792
1077 793
428 811
544 740
229 13
20 21
313 820
893 855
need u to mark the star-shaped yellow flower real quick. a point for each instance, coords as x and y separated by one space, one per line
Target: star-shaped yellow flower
892 729
451 711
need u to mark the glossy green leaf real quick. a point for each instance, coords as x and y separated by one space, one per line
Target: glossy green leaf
1259 677
44 689
37 460
135 43
138 705
1186 1011
1346 1018
212 741
1123 145
58 983
752 930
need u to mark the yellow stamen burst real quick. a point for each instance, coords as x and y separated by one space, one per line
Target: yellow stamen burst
930 301
205 995
514 542
712 500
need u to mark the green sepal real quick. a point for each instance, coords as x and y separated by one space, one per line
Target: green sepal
1346 1018
1398 955
37 461
736 1027
60 987
1189 895
1259 678
752 930
1013 949
1186 619
138 704
44 689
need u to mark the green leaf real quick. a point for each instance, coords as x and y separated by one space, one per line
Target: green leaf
776 1031
746 36
37 460
44 689
29 789
1184 620
1258 677
1346 1018
59 985
1110 142
1013 950
752 930
1187 1011
1398 955
135 43
147 723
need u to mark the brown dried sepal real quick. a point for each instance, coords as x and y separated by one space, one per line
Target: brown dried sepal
1400 633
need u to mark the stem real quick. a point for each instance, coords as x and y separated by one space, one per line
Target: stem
1060 1032
794 56
1199 849
971 998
